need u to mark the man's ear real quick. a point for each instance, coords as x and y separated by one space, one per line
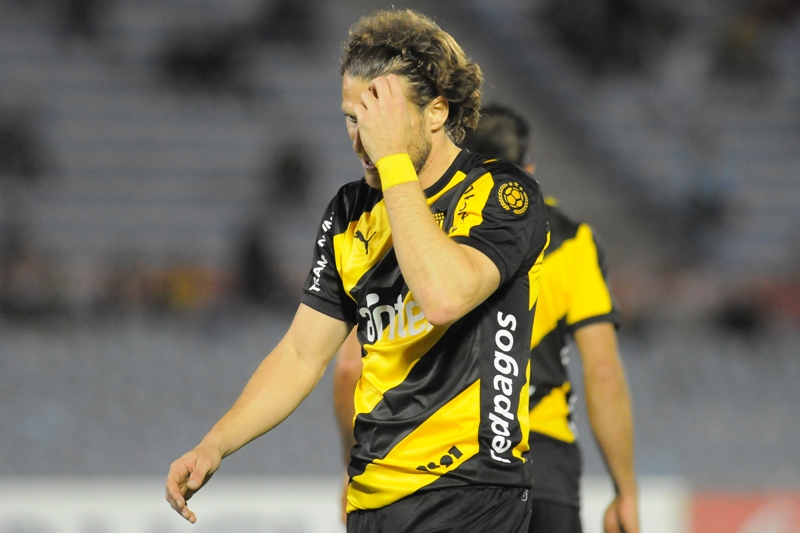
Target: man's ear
438 110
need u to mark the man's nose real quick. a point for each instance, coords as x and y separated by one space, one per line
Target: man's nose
357 146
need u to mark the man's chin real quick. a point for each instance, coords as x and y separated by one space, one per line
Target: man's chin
373 179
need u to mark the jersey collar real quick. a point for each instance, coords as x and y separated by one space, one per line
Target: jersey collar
458 163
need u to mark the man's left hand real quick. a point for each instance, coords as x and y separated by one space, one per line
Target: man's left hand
622 516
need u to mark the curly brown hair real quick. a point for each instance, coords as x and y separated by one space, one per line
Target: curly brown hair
409 44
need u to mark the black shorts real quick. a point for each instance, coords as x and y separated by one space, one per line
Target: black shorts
551 517
456 510
556 469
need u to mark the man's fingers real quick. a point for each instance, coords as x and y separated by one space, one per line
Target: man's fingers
178 503
186 476
200 474
380 87
386 89
383 92
370 97
188 515
175 495
394 86
610 520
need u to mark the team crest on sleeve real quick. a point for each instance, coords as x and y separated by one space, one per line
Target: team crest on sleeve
513 197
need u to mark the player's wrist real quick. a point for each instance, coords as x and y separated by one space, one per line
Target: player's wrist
626 490
214 445
396 169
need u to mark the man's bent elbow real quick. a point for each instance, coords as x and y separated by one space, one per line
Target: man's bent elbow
443 313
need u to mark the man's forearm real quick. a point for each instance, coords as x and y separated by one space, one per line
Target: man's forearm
436 269
447 279
282 380
612 425
608 402
276 388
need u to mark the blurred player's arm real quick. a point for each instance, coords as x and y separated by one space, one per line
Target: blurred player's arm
282 380
346 372
610 415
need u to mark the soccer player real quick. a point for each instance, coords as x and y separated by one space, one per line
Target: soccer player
573 300
434 258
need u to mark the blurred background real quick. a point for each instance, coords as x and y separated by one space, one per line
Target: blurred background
164 165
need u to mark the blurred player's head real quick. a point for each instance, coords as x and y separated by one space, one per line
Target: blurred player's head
501 133
441 85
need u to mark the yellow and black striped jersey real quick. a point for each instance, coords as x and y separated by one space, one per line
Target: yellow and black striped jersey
440 406
573 292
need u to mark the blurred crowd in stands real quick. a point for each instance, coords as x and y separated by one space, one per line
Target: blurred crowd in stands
216 58
748 307
34 285
627 35
610 35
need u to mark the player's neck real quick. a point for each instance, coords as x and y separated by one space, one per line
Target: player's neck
442 155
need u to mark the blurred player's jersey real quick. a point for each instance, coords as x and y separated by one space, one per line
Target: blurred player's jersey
573 293
443 406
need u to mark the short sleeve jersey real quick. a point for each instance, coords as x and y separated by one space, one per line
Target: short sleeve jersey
436 406
573 293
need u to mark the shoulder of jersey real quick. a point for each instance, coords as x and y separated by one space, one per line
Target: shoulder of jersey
509 171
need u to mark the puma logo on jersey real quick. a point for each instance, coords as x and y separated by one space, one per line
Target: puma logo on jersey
439 217
360 237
